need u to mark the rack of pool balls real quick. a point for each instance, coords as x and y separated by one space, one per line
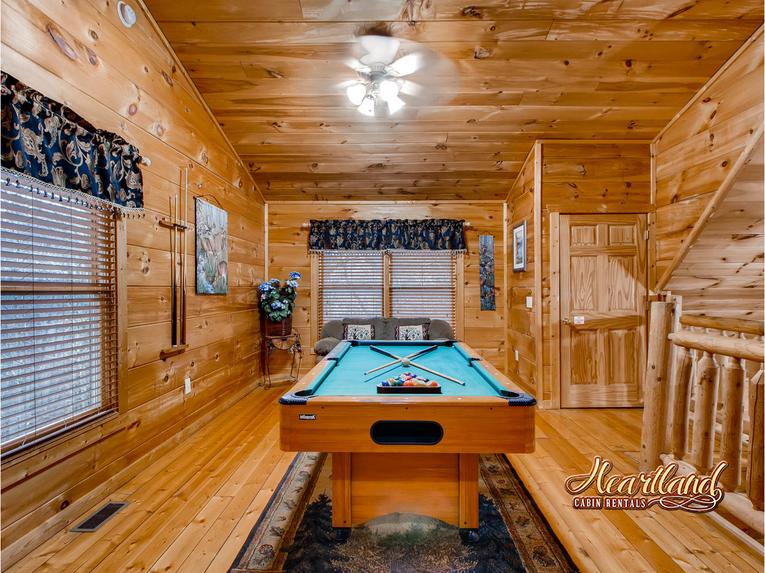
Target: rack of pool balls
408 383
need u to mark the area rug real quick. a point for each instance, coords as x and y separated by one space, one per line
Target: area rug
294 534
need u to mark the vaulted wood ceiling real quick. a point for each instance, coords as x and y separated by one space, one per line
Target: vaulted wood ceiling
270 71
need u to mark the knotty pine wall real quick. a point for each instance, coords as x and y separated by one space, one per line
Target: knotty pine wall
562 177
521 323
692 157
129 82
288 251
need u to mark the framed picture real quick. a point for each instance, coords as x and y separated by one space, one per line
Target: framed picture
486 271
212 248
519 247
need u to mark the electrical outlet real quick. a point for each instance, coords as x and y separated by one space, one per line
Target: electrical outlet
187 385
529 301
517 356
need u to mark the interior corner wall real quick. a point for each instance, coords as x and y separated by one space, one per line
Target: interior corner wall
561 177
127 81
521 323
288 251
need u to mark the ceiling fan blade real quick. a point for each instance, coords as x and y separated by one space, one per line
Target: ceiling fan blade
406 65
379 49
411 88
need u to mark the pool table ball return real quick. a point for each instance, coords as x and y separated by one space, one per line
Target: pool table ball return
405 422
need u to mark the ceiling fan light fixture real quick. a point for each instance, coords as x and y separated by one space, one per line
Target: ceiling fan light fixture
367 106
388 90
356 93
395 104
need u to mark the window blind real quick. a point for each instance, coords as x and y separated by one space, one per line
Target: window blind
423 283
351 284
58 359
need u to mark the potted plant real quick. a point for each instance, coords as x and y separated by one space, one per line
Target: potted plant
277 301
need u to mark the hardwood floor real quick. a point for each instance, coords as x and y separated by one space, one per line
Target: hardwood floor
192 510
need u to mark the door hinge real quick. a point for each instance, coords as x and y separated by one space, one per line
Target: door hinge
646 234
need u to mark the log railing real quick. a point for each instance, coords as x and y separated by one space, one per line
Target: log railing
703 395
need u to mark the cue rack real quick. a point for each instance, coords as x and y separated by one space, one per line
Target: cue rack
178 255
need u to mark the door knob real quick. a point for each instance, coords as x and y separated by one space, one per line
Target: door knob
565 321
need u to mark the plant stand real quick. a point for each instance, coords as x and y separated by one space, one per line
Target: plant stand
289 343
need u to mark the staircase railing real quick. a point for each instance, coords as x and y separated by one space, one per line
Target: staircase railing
703 396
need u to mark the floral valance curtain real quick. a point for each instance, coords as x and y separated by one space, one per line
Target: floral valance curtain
48 141
385 234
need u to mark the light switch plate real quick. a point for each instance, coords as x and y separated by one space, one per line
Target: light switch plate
529 301
187 385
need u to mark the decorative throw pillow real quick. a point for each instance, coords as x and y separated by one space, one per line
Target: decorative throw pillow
412 332
358 332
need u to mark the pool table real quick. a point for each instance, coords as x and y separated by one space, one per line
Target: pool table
408 453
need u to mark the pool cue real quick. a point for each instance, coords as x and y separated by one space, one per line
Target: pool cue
437 373
413 355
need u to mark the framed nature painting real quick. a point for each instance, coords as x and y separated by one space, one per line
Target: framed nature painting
486 271
212 248
519 247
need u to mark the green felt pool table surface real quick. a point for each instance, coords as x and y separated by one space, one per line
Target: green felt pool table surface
345 374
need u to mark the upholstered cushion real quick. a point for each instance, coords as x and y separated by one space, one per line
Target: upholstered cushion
358 332
332 329
412 332
325 345
385 328
440 330
378 323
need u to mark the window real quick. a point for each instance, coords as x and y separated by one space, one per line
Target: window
351 284
59 320
391 283
423 283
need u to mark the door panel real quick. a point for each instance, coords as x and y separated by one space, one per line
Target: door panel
602 306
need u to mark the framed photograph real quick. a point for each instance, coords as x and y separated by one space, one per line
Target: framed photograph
212 248
519 247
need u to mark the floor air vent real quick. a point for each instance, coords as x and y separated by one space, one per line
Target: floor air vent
100 517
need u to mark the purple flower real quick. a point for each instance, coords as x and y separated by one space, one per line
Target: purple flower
295 275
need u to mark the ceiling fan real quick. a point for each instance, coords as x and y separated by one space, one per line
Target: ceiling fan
387 68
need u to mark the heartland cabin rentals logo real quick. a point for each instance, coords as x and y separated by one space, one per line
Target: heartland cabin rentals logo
663 487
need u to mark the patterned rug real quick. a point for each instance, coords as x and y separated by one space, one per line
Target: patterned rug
294 534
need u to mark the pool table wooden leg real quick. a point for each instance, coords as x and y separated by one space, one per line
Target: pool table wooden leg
341 489
468 491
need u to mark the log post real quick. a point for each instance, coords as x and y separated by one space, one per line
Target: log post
655 386
704 410
755 483
732 402
681 402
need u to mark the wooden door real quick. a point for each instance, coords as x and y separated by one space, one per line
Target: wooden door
602 309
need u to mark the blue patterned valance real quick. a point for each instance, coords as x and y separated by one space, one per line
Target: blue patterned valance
385 234
48 141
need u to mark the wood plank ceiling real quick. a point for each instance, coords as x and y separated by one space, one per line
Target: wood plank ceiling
526 69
